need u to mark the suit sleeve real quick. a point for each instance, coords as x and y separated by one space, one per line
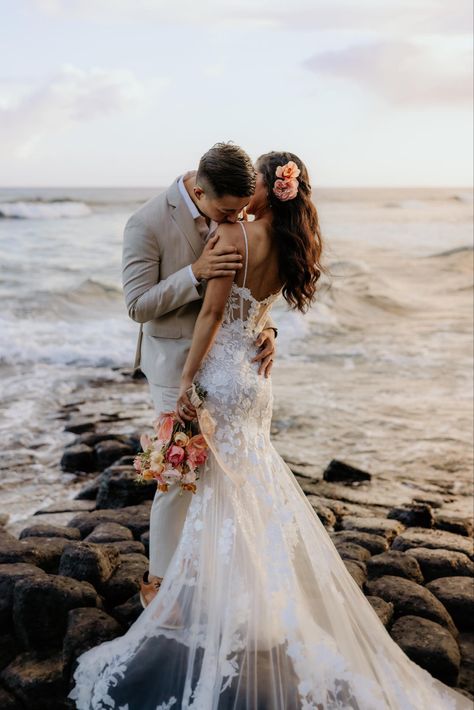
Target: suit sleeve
146 295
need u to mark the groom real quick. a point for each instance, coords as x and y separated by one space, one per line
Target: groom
168 255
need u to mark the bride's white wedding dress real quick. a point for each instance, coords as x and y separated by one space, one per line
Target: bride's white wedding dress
269 617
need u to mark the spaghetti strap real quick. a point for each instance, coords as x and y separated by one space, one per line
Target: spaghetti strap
246 253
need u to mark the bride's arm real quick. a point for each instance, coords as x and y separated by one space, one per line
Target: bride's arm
207 325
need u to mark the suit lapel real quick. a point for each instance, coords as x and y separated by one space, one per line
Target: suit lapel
182 217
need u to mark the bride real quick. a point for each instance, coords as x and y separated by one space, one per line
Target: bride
257 610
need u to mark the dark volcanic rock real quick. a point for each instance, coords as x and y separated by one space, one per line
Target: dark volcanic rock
79 457
48 550
129 547
125 581
457 595
396 563
127 613
67 506
89 491
13 551
377 526
351 551
413 515
89 562
430 645
39 683
9 702
410 598
466 675
324 513
383 609
109 451
136 518
9 576
8 650
373 543
41 605
87 628
145 539
454 524
109 532
432 539
79 426
119 487
357 571
442 563
45 530
340 471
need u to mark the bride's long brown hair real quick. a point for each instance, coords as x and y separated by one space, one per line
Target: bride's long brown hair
296 231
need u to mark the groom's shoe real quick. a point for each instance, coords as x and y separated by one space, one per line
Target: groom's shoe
148 590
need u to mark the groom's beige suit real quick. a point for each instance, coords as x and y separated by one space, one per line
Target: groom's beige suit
161 239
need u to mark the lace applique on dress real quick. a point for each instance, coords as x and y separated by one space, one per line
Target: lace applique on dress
257 609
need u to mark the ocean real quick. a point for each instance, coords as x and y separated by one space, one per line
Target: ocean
379 373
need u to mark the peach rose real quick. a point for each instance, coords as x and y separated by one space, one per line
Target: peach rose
181 438
164 426
198 442
156 458
175 455
288 171
147 475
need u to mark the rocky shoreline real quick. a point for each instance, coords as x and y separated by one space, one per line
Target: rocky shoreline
69 579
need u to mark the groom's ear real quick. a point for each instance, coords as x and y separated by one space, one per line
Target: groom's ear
198 191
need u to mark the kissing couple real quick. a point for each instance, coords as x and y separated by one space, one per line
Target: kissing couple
248 605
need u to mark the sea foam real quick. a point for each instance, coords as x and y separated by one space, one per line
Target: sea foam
41 210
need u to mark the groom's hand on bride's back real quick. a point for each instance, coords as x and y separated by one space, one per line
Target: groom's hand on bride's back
216 261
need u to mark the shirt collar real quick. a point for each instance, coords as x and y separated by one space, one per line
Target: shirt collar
188 201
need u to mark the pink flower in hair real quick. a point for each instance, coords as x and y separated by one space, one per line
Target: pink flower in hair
286 185
286 189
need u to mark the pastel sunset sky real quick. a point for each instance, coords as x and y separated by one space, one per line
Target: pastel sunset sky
132 92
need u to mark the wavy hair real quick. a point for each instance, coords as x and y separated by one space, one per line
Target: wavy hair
296 231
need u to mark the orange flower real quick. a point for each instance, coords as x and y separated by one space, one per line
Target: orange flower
288 171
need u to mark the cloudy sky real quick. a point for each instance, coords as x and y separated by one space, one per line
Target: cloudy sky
132 92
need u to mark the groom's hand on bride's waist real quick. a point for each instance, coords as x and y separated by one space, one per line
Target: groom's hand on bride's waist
216 261
266 354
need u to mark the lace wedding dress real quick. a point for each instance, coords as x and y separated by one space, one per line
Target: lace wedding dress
257 610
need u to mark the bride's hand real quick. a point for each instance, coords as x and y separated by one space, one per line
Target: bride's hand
184 409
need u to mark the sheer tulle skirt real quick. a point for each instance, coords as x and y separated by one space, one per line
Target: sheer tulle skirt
257 610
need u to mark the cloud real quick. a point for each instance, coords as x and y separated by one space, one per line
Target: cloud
69 97
401 16
402 72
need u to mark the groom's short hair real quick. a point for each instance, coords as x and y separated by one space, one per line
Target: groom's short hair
226 169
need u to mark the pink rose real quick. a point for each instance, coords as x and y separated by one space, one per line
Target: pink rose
175 455
137 464
164 426
171 476
145 442
288 171
189 477
196 457
286 189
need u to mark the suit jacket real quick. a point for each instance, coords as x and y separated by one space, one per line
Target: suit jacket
160 241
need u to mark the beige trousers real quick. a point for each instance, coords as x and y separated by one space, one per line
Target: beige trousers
168 511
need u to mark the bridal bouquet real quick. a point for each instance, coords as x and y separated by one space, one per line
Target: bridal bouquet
172 455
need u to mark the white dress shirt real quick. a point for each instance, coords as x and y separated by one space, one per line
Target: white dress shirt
195 215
